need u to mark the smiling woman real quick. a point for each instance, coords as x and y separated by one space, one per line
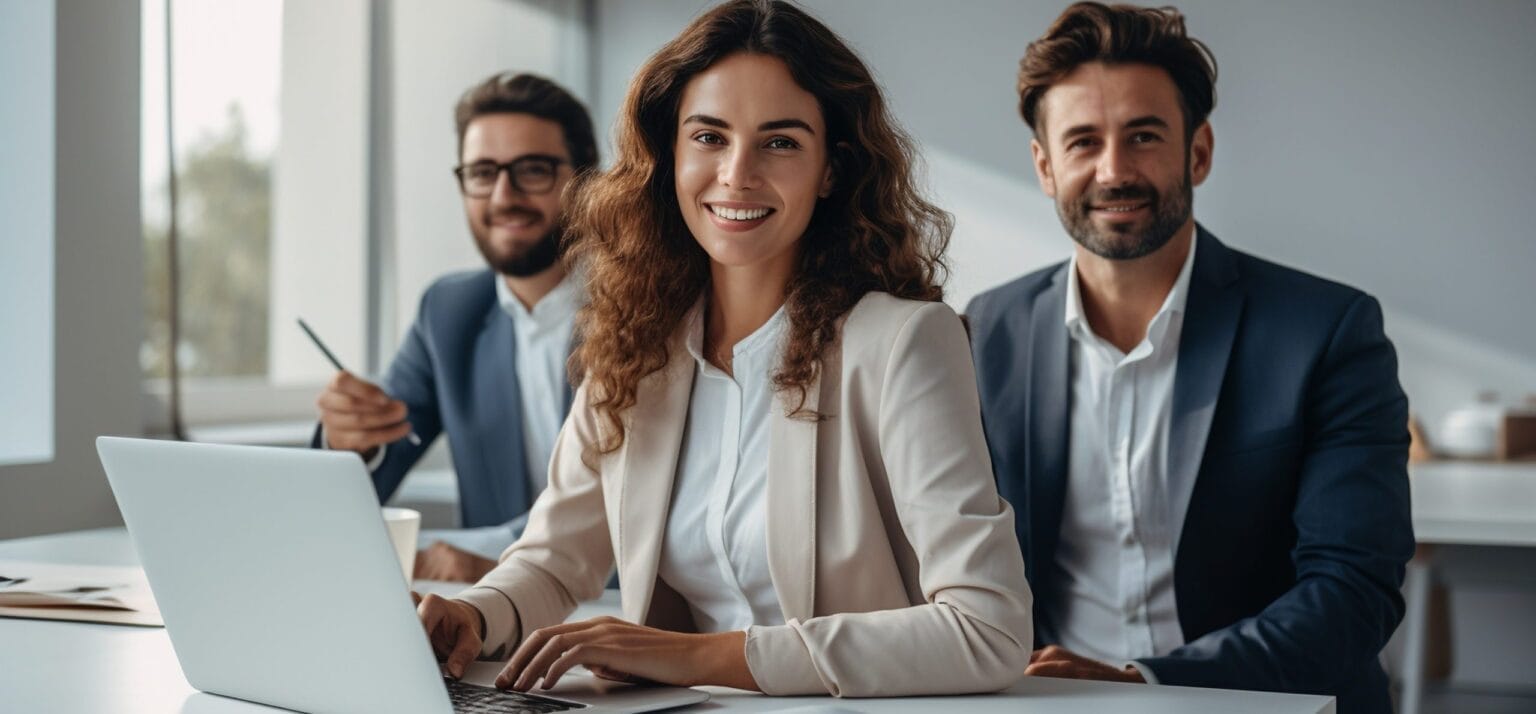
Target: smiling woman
871 230
778 437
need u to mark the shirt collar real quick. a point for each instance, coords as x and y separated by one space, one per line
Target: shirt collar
558 306
1173 304
766 335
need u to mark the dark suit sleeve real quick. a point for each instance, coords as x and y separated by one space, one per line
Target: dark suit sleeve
409 379
1354 534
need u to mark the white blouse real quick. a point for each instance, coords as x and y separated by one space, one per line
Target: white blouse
715 554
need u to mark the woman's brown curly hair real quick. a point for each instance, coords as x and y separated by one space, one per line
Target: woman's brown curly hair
644 270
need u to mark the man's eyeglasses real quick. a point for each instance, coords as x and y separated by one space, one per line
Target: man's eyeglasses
529 174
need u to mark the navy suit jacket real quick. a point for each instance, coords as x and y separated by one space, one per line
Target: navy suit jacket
1287 408
457 373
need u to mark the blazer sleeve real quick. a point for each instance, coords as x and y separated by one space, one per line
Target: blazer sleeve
1354 534
564 555
973 632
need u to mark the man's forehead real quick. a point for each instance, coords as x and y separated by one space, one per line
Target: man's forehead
506 136
1107 96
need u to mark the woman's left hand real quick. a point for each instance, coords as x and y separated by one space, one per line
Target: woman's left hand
614 649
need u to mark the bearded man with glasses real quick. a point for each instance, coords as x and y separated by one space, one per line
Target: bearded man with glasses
485 361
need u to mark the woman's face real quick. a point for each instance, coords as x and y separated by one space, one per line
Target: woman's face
751 161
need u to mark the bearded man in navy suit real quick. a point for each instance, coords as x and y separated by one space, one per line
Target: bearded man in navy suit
484 364
1207 452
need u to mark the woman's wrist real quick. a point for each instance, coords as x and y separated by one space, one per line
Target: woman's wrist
723 661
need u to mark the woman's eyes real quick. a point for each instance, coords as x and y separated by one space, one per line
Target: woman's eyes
782 143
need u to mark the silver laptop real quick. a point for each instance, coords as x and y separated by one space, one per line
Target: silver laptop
278 584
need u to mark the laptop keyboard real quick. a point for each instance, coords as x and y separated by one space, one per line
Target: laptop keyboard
472 699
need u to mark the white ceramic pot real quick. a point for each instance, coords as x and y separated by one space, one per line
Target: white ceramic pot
1472 431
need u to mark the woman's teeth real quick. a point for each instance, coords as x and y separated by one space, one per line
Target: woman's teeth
740 214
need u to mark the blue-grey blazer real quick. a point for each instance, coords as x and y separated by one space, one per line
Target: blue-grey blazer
456 372
1287 408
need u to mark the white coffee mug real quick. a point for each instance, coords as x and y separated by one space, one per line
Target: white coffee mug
403 524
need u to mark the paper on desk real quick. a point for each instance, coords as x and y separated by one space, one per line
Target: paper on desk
69 592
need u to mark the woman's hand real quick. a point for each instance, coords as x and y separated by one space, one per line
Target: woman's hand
455 629
614 649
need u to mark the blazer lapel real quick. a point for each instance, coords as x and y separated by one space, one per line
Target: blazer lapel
792 496
1050 410
648 465
1210 326
499 417
570 353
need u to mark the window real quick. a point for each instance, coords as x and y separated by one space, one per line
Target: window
26 222
262 211
225 81
313 144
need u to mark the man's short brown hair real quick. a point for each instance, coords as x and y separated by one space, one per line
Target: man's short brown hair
1119 34
509 93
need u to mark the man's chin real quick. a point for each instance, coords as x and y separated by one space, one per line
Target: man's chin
1120 246
508 243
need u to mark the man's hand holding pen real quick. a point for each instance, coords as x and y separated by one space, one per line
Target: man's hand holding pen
358 416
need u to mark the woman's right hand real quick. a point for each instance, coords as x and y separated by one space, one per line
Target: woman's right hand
455 629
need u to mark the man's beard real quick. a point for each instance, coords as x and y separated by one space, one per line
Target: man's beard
1169 214
520 262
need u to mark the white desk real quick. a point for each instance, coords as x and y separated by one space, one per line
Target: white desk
48 667
1474 503
1458 505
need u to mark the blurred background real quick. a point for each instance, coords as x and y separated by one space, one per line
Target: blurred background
1382 144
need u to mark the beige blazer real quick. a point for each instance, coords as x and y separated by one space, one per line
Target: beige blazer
893 557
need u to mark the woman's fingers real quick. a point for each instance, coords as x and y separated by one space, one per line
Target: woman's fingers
604 672
464 650
589 654
553 648
453 636
534 643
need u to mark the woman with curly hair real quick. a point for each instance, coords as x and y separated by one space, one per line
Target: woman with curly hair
778 436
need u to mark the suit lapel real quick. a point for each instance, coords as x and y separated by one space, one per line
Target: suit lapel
791 507
565 379
649 464
500 415
1050 406
1210 326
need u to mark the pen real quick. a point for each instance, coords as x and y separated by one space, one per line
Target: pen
416 440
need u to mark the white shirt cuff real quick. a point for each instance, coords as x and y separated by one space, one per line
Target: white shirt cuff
373 463
1146 672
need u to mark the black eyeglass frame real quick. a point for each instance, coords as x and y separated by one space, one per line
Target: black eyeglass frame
510 167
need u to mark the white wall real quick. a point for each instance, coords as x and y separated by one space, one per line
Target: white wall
320 190
98 272
439 50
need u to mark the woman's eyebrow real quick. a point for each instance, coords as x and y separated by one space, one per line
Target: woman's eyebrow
719 123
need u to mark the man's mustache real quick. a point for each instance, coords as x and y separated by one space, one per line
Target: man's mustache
1139 192
514 212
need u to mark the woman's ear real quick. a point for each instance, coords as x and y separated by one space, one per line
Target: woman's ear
835 164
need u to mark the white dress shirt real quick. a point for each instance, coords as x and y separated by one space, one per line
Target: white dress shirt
543 344
1114 579
715 554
